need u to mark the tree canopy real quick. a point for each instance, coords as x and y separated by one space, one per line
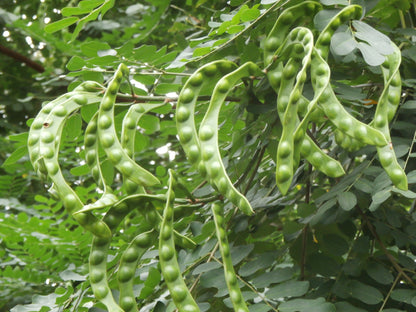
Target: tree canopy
208 155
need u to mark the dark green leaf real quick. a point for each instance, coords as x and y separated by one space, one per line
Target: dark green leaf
288 289
347 200
307 305
365 293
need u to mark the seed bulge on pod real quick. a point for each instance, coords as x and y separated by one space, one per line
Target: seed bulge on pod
127 168
80 99
182 114
210 70
60 111
127 303
47 137
214 169
170 273
139 109
235 296
125 273
167 253
232 279
287 17
100 292
115 155
130 123
107 104
186 134
107 140
130 255
104 122
96 257
70 201
190 308
178 293
96 276
196 80
52 168
283 173
223 85
167 232
206 133
143 240
187 95
222 184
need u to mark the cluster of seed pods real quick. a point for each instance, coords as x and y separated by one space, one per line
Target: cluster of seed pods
43 144
289 53
295 111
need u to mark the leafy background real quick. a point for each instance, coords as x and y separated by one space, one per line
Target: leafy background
345 244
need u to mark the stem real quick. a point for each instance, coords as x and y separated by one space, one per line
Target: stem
249 27
410 150
389 293
124 98
21 58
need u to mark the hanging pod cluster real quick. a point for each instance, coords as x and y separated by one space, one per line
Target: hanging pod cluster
291 55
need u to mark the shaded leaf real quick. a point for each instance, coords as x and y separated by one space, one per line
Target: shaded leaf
288 289
347 200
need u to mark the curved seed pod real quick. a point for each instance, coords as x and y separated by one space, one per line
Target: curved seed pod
127 268
230 277
204 77
328 101
286 20
320 160
300 40
41 120
98 258
92 158
386 108
109 140
208 135
50 138
320 76
128 134
324 40
171 272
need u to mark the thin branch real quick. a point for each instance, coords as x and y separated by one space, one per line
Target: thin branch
123 98
390 291
21 58
249 27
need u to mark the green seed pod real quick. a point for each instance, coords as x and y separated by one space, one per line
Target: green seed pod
128 134
47 150
128 263
208 137
284 23
229 273
181 296
202 79
98 258
109 140
386 108
290 93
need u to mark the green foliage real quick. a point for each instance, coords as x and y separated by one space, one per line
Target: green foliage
329 244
